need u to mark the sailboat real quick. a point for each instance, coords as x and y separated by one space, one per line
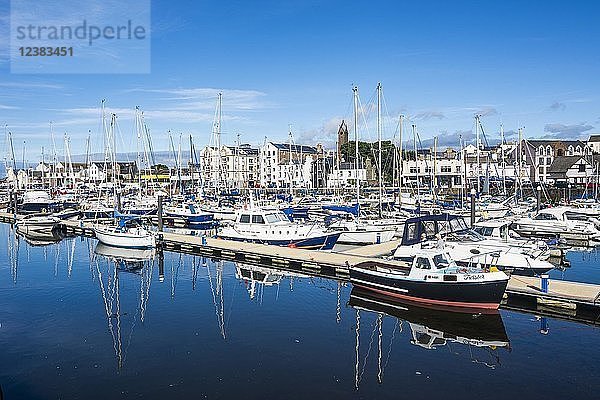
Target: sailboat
127 232
354 230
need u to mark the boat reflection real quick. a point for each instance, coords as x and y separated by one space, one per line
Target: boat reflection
40 237
127 259
109 264
483 334
257 277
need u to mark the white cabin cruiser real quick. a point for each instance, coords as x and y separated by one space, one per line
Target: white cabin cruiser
361 232
562 222
467 247
272 226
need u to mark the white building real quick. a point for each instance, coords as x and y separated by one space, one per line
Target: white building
285 165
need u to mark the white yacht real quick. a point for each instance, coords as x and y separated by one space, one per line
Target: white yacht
271 226
562 222
124 234
361 232
467 247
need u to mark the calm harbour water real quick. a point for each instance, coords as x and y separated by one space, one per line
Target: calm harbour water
75 324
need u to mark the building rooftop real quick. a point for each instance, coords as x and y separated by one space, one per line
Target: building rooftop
296 148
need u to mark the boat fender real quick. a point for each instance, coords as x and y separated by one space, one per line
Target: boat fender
494 269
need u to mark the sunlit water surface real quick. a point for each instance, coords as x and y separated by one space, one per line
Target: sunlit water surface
78 322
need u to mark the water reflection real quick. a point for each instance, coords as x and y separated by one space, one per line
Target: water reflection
430 329
110 262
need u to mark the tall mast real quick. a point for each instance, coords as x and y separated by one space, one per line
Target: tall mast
478 169
220 160
414 132
502 159
400 161
379 167
355 90
192 161
290 165
434 180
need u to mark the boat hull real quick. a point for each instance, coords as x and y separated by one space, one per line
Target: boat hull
481 294
325 242
124 240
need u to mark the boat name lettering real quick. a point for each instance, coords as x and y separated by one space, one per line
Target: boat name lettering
473 277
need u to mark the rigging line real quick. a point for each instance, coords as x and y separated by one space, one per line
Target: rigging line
372 339
398 323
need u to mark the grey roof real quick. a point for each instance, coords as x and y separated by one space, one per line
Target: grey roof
562 164
594 138
545 142
244 150
296 148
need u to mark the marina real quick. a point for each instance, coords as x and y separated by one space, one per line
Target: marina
293 200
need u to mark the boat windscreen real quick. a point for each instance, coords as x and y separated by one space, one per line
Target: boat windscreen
271 218
441 261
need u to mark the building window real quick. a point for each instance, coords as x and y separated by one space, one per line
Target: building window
581 167
570 151
446 168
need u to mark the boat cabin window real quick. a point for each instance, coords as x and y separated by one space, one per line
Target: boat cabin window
545 217
423 263
245 218
258 219
441 261
484 230
271 218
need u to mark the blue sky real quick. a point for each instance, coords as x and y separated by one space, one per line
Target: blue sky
523 64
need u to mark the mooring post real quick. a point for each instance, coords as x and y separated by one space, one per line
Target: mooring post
538 193
161 265
544 326
160 213
473 193
544 285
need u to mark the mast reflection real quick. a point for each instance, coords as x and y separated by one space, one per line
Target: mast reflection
430 329
110 262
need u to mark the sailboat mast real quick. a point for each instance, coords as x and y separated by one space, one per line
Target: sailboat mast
379 168
502 158
434 180
414 132
400 161
355 96
478 145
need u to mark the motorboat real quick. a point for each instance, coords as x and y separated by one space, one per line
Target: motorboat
500 229
272 226
36 201
192 215
432 277
40 224
358 232
562 222
39 230
468 248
